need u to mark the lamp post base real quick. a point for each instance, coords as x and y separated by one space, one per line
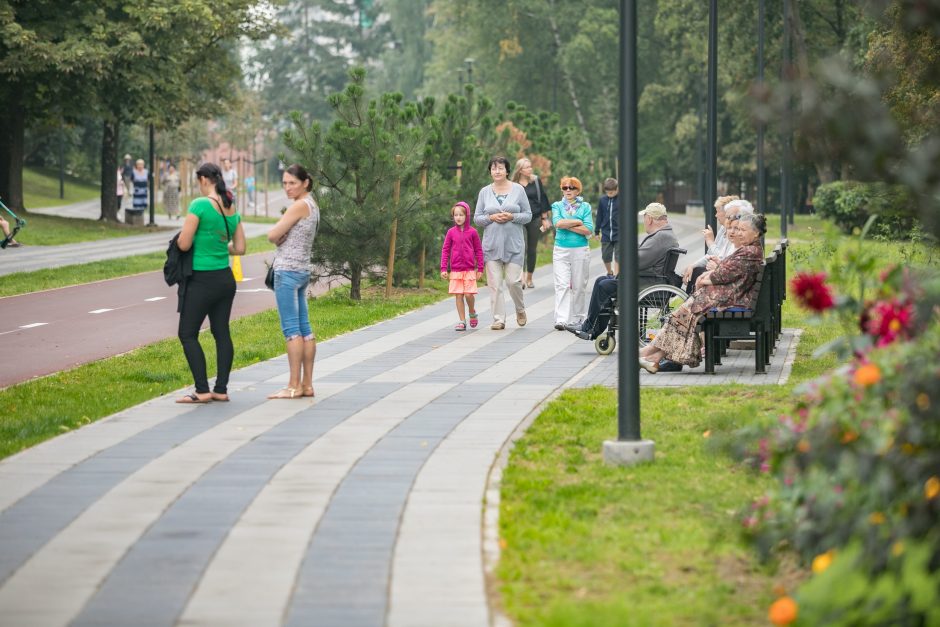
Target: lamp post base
628 453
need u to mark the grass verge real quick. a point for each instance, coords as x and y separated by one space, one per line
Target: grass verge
586 544
41 188
44 230
51 278
37 410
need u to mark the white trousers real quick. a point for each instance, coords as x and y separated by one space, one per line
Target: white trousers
496 273
571 268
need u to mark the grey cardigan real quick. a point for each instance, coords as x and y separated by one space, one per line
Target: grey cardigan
651 255
503 242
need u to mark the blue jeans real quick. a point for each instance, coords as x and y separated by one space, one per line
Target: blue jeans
290 292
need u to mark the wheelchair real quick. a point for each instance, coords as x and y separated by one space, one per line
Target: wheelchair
655 304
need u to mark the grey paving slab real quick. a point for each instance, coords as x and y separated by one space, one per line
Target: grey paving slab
361 507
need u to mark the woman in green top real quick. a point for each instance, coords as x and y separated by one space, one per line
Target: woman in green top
213 230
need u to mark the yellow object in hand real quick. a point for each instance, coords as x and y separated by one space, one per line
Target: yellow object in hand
237 268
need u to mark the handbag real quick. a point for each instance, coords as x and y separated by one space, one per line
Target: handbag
269 278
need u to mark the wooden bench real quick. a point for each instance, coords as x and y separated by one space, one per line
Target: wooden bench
739 323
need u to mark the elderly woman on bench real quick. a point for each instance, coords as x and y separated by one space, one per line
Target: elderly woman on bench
732 283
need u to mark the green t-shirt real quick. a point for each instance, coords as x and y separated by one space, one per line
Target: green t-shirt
210 243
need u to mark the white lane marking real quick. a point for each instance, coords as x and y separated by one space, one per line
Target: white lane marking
35 324
257 289
155 298
98 311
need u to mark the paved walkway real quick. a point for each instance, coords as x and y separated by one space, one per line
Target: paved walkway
368 505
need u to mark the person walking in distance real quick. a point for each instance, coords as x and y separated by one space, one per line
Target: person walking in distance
541 212
294 234
213 230
127 175
503 210
571 257
463 254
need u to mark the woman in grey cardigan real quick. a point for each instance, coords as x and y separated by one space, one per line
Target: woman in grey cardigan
502 210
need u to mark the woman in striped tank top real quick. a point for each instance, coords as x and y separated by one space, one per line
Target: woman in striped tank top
293 234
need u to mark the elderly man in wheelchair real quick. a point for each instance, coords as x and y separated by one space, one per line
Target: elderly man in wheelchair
660 294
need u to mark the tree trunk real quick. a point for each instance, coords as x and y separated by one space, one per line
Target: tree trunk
12 141
567 75
109 164
355 281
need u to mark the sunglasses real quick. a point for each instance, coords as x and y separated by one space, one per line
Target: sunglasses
565 188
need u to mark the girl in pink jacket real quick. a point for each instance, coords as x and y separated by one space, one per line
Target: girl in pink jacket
463 254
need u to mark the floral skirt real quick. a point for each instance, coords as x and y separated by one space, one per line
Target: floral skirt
464 282
679 340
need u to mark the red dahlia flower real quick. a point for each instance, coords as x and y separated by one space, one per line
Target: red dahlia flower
888 320
812 292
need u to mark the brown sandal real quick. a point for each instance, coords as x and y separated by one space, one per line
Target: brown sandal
288 393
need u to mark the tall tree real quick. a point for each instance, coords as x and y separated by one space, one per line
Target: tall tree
172 61
319 41
355 162
46 57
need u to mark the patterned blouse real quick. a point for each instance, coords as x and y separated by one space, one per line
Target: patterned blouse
294 252
734 281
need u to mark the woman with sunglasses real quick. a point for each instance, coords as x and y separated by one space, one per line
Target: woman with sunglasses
571 217
502 210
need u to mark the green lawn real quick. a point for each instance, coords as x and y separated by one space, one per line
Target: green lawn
45 230
41 188
586 544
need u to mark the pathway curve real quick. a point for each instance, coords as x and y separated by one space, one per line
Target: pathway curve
363 506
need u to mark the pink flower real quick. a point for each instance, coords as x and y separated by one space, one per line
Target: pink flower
888 320
812 292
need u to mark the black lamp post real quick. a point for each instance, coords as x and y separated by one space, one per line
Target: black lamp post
711 160
629 448
785 165
761 169
469 62
153 192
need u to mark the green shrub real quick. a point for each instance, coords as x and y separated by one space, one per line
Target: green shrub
850 203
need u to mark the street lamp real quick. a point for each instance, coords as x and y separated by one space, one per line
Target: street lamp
469 62
629 447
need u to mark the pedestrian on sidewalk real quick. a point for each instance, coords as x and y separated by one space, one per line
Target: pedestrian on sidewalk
607 218
294 234
171 192
541 212
230 176
121 190
140 178
462 253
503 210
127 175
213 230
571 257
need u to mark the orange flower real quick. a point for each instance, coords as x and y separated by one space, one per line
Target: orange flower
867 374
803 446
923 401
707 434
876 518
849 436
932 488
822 561
783 611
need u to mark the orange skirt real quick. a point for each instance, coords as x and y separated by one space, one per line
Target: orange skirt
464 282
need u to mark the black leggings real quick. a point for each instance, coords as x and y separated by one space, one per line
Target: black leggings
209 293
532 236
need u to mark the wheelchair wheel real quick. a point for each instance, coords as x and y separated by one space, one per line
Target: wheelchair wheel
605 344
656 303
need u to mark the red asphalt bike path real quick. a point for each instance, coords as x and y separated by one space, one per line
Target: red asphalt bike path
53 330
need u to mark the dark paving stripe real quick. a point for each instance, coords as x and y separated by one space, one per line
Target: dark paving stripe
344 576
163 568
27 525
